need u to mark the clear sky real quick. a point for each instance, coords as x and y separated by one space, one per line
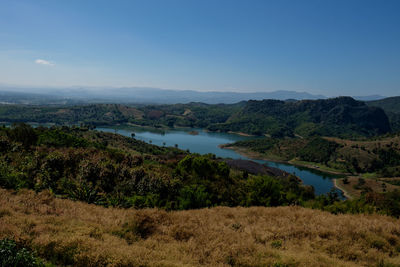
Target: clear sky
330 47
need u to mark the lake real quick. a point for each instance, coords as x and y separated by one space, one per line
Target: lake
208 142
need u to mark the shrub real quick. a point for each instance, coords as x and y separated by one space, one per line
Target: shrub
11 254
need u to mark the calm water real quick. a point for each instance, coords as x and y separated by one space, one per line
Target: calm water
206 142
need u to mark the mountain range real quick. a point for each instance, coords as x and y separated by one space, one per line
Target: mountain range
147 95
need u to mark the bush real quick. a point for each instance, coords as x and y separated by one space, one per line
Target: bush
194 197
13 255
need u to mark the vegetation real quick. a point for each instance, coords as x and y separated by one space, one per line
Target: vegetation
112 170
357 186
374 155
391 106
51 175
67 232
340 117
12 254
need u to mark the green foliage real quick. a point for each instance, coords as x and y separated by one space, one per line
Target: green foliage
260 145
70 162
11 254
264 191
318 150
341 116
23 133
58 138
194 197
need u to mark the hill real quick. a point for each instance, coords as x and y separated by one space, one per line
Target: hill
341 116
113 170
391 106
379 157
66 232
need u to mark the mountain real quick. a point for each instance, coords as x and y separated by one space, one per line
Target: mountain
19 95
369 97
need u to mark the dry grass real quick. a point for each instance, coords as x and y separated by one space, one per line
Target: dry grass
374 184
86 235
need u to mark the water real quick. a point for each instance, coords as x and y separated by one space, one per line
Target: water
208 142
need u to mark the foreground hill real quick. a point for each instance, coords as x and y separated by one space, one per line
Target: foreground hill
113 170
65 232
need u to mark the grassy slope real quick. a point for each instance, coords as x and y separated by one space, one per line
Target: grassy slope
80 234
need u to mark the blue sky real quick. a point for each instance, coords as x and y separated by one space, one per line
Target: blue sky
330 47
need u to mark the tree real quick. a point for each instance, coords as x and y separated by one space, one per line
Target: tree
24 134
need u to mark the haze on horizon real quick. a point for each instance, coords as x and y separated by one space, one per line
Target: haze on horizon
341 47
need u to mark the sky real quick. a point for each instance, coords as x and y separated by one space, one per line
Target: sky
329 47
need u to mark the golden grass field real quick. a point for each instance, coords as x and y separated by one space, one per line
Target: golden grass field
80 234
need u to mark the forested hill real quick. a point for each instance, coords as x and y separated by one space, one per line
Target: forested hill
341 117
391 106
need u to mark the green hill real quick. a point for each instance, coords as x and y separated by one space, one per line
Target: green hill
342 116
391 106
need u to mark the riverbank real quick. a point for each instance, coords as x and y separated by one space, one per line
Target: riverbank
258 156
338 184
241 134
210 142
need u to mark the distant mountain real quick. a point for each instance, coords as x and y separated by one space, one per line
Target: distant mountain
145 95
10 97
369 97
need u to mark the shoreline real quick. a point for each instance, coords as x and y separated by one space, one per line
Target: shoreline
258 156
345 193
255 155
241 134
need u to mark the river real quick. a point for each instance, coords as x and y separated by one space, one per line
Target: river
208 142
